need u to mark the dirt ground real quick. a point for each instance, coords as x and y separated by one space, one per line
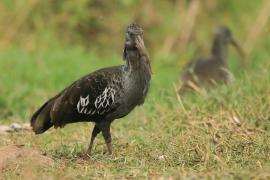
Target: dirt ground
12 156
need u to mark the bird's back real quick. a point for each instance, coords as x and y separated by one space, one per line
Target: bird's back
106 94
207 69
91 98
205 72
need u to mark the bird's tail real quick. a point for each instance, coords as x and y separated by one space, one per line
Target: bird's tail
41 120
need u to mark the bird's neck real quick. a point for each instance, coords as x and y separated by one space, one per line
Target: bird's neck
132 58
220 51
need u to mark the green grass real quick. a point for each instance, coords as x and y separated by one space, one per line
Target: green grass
160 138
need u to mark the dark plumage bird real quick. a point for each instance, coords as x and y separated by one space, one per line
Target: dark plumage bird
205 72
102 96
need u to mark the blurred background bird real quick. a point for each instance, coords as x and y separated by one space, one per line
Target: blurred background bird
210 71
101 96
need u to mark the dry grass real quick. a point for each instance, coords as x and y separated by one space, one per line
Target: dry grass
199 144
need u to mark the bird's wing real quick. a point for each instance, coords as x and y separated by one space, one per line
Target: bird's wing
92 95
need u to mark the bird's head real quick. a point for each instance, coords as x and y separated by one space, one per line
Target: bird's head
134 42
133 32
224 35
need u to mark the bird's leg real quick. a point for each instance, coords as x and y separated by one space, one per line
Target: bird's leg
105 129
95 132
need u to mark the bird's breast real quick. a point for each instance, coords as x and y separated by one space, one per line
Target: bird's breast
136 88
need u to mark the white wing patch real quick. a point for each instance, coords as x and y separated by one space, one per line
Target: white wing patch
82 106
83 102
102 103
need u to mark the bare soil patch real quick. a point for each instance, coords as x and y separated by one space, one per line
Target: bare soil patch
20 154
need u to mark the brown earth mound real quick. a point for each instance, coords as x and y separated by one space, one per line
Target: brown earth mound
17 154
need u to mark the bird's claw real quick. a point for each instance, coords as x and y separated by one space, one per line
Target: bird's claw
86 156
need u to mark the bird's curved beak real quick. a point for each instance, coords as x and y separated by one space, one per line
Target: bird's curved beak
142 50
238 48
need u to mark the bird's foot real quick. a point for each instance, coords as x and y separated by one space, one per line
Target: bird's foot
86 156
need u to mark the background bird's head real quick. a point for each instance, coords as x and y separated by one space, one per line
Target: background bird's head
224 36
133 31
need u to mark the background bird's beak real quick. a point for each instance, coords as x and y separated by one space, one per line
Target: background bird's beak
238 48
